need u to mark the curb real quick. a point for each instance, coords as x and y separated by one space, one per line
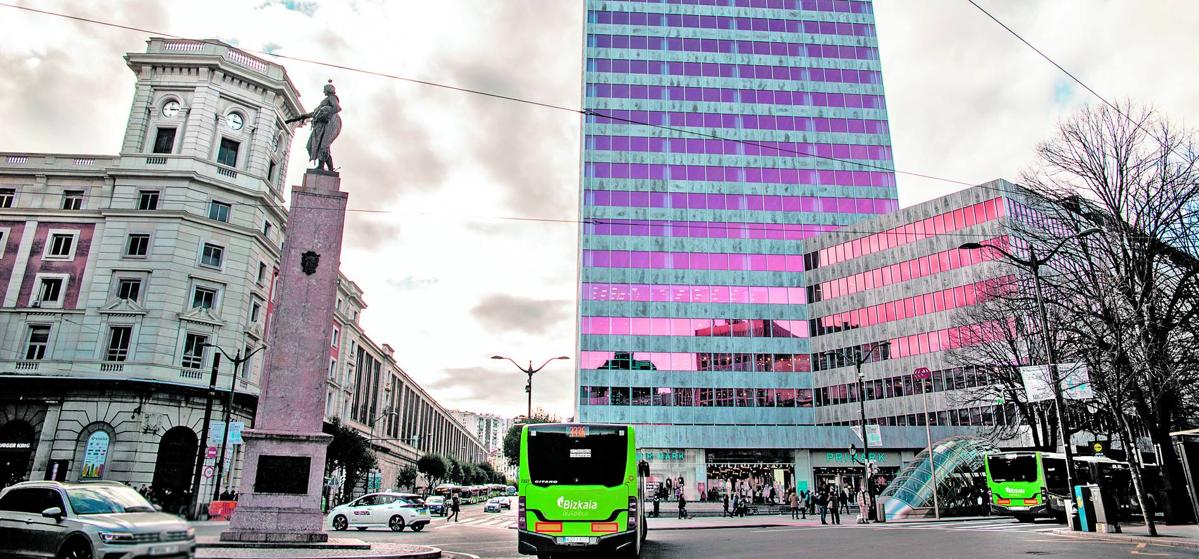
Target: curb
1168 541
949 520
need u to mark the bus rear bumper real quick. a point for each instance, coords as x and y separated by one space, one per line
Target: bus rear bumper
532 543
1037 510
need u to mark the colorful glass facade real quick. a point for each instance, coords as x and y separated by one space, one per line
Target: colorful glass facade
723 133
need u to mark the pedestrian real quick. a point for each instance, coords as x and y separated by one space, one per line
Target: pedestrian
682 506
845 498
455 507
863 505
726 505
835 503
657 500
793 500
805 503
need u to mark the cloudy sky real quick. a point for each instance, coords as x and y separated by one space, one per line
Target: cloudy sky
450 278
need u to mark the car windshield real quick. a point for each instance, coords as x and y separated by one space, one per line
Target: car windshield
435 500
106 500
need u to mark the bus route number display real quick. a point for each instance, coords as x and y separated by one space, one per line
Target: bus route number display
578 431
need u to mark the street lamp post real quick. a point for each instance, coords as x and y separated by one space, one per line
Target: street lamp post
387 410
1033 265
922 375
237 360
530 371
858 359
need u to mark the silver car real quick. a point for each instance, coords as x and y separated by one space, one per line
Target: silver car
90 520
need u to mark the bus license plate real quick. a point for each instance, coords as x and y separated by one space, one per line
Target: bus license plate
576 540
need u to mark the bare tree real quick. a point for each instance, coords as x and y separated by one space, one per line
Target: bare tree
999 353
1127 299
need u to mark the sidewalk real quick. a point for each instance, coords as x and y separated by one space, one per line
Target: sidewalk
716 522
1184 535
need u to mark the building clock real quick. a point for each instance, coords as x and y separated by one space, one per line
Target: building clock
170 109
234 121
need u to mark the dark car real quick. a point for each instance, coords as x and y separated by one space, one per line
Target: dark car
90 519
436 504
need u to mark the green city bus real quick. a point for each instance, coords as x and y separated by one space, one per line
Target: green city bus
580 490
1028 484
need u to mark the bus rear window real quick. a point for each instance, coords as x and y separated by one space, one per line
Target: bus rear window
1013 468
556 458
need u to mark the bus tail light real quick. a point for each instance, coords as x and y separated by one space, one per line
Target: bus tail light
604 527
1031 501
548 527
632 509
1003 501
521 521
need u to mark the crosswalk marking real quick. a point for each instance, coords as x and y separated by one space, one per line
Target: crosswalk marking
984 526
502 521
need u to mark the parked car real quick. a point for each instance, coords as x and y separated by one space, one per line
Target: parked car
378 510
88 520
493 505
436 505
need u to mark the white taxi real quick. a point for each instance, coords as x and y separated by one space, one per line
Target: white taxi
377 510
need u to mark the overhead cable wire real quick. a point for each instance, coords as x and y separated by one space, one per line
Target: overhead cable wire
1063 69
593 112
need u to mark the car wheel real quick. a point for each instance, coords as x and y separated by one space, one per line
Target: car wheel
340 523
418 527
75 550
396 523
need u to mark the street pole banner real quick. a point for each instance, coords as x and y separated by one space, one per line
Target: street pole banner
873 431
216 432
1075 382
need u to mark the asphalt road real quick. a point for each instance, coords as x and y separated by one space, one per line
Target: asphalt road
487 535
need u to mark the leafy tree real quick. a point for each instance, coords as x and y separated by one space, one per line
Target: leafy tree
434 467
406 477
349 452
454 470
512 437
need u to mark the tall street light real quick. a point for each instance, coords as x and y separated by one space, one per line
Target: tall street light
530 371
1033 265
858 359
237 360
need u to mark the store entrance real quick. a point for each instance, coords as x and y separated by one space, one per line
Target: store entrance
851 477
759 476
16 451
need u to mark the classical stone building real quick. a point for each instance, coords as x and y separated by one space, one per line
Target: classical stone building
117 271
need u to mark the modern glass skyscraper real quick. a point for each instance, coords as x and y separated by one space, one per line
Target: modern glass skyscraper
724 133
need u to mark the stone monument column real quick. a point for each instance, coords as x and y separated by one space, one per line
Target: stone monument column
284 470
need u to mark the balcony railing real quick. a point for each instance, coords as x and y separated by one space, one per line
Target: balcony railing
126 370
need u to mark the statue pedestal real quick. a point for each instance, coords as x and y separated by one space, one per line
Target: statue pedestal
284 471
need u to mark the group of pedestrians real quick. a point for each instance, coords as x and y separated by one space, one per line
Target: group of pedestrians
831 500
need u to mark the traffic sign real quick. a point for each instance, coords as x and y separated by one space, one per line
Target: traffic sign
209 471
922 373
210 452
1098 446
